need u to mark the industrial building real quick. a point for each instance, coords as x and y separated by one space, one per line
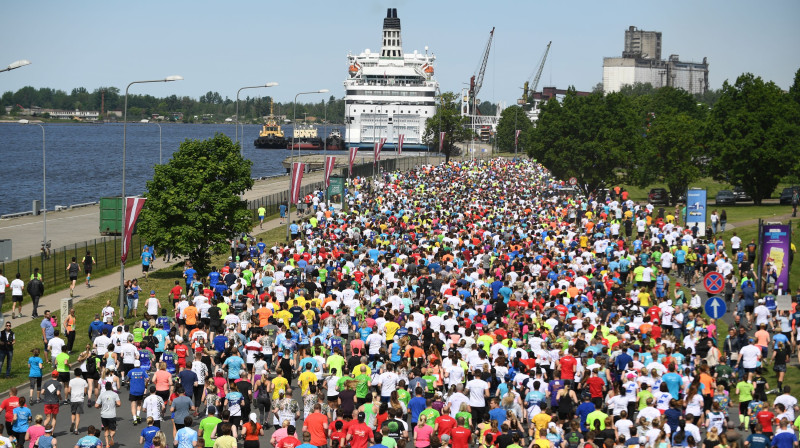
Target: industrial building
641 63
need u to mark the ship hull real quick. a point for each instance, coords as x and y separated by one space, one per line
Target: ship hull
270 143
313 145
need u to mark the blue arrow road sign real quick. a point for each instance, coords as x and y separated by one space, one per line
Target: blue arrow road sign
715 307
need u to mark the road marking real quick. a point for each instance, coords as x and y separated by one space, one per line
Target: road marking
38 223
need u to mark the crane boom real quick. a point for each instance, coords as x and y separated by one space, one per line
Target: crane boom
535 83
476 81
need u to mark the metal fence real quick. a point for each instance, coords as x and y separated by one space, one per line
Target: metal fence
53 267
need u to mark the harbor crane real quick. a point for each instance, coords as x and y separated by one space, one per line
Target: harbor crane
534 83
468 103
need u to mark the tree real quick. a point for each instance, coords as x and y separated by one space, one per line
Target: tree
511 119
588 137
754 136
193 205
447 119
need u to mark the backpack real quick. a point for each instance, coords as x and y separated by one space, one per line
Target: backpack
91 365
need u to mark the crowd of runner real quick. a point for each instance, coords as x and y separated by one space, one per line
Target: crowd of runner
473 303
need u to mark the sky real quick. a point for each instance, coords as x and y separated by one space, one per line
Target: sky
302 45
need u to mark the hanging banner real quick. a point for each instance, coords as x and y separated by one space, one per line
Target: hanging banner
696 210
400 139
377 152
776 242
329 162
297 178
133 206
353 154
441 141
516 137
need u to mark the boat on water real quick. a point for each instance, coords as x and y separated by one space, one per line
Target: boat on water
334 141
271 135
305 136
390 93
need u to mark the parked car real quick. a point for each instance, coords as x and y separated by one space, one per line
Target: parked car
741 195
786 195
658 196
725 197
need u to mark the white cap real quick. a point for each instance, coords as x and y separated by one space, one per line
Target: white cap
253 417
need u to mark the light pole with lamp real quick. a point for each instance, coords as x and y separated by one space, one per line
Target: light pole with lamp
269 84
124 148
44 187
160 151
15 65
291 155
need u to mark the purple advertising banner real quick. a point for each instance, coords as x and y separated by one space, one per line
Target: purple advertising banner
775 246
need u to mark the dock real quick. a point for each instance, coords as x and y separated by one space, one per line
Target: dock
316 162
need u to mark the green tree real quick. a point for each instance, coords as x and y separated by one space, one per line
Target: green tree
511 119
588 137
447 119
754 136
193 205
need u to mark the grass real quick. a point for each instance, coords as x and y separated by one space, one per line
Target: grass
29 334
711 186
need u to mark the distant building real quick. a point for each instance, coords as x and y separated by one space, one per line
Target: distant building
547 93
641 63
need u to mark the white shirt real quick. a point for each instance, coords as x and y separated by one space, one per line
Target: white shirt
55 345
101 344
374 343
762 315
17 286
749 355
455 402
388 382
152 306
790 402
3 284
476 390
77 390
153 405
129 353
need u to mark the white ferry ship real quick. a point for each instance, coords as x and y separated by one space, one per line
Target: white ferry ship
389 94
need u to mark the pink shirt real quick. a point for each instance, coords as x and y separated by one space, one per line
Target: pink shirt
35 432
422 436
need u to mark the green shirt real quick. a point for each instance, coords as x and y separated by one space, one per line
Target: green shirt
207 425
362 388
404 396
335 364
430 379
138 334
389 442
62 362
467 418
430 416
643 395
745 390
596 415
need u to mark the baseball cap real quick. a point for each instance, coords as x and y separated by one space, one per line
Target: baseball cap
253 417
361 417
152 292
136 363
55 373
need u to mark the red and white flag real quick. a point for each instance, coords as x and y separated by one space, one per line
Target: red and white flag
441 141
133 206
329 162
377 151
353 154
297 178
400 139
516 136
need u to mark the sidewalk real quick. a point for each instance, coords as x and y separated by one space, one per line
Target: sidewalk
100 285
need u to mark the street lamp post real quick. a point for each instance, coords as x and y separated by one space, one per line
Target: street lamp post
291 155
124 148
44 185
160 151
15 65
269 84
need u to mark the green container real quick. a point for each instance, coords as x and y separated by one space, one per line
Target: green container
111 216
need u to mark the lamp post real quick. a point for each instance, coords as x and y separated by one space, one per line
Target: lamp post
44 185
160 151
15 65
291 155
124 148
269 84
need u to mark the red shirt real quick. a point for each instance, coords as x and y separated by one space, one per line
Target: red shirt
568 364
315 422
460 436
176 292
655 313
8 405
340 436
596 385
360 435
446 424
288 442
765 418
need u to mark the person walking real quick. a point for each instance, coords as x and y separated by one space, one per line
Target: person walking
17 286
76 390
88 265
108 402
73 268
7 341
36 291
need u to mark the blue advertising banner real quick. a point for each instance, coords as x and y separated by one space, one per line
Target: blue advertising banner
775 247
696 210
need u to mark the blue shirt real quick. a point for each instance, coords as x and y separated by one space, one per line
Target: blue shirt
92 441
219 342
758 440
213 278
583 410
161 337
188 378
189 273
498 414
48 329
234 364
138 380
782 440
416 405
35 370
674 383
185 437
148 434
146 257
21 418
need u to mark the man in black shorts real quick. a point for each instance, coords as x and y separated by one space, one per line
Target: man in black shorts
88 264
108 402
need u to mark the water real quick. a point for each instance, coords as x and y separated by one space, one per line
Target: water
84 161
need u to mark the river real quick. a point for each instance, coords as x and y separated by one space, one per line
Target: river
84 161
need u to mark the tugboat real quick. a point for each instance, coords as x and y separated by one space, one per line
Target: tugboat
271 135
306 137
334 141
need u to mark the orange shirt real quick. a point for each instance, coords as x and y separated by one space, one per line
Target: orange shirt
707 382
263 316
191 315
161 378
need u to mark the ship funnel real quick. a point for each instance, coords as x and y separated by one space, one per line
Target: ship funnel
392 46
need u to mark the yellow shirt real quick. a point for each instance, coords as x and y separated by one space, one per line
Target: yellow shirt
541 420
357 370
286 316
305 379
391 328
644 299
279 384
